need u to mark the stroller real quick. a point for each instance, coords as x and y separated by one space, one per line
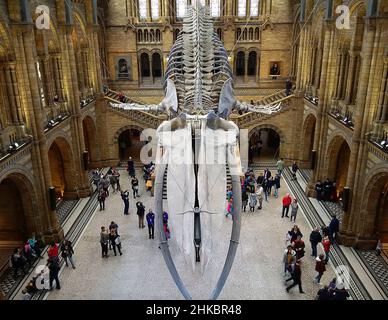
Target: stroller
252 201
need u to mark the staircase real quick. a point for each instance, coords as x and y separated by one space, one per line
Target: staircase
148 120
250 118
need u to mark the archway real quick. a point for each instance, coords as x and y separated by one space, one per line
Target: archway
338 160
16 214
89 131
252 60
240 64
145 66
308 138
129 144
156 66
264 145
60 160
376 220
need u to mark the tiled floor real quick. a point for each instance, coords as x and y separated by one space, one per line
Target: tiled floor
141 273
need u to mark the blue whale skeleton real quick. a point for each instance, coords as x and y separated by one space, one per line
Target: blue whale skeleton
198 99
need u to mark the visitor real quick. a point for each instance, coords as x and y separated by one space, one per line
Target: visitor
135 187
327 187
334 193
288 87
294 169
378 248
252 201
96 176
140 213
101 199
17 262
105 185
115 241
286 201
294 210
326 247
267 174
52 250
151 223
270 184
165 225
131 167
320 267
229 193
296 277
265 185
289 258
276 184
125 197
244 199
27 253
104 240
295 232
35 246
113 226
280 166
53 265
318 190
67 252
315 238
323 294
288 238
229 207
340 293
333 228
299 247
260 193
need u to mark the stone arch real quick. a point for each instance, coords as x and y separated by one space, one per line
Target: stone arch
145 68
374 206
252 63
268 126
63 174
20 215
127 140
157 68
337 160
308 133
89 131
240 63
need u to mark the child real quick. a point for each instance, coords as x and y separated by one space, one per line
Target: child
229 207
252 201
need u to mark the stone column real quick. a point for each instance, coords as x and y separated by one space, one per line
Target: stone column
367 53
80 71
7 117
383 96
349 83
55 62
246 57
10 77
41 167
299 84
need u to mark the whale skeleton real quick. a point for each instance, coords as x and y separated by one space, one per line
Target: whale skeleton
198 95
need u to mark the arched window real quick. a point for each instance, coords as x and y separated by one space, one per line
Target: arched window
257 34
242 8
155 9
143 9
157 35
255 8
245 35
250 33
140 36
240 64
152 36
145 35
238 33
252 63
181 6
156 65
145 65
215 8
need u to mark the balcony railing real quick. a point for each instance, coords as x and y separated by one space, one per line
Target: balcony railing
380 141
312 99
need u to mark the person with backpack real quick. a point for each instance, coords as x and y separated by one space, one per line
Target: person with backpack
151 223
115 241
135 187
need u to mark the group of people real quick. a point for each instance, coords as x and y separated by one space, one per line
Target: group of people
326 191
110 238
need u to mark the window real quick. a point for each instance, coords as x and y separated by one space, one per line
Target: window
155 9
242 8
254 8
215 8
181 6
143 9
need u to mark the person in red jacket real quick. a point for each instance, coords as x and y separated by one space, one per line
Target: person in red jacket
53 250
326 247
286 204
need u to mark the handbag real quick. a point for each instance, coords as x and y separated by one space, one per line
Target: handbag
118 240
